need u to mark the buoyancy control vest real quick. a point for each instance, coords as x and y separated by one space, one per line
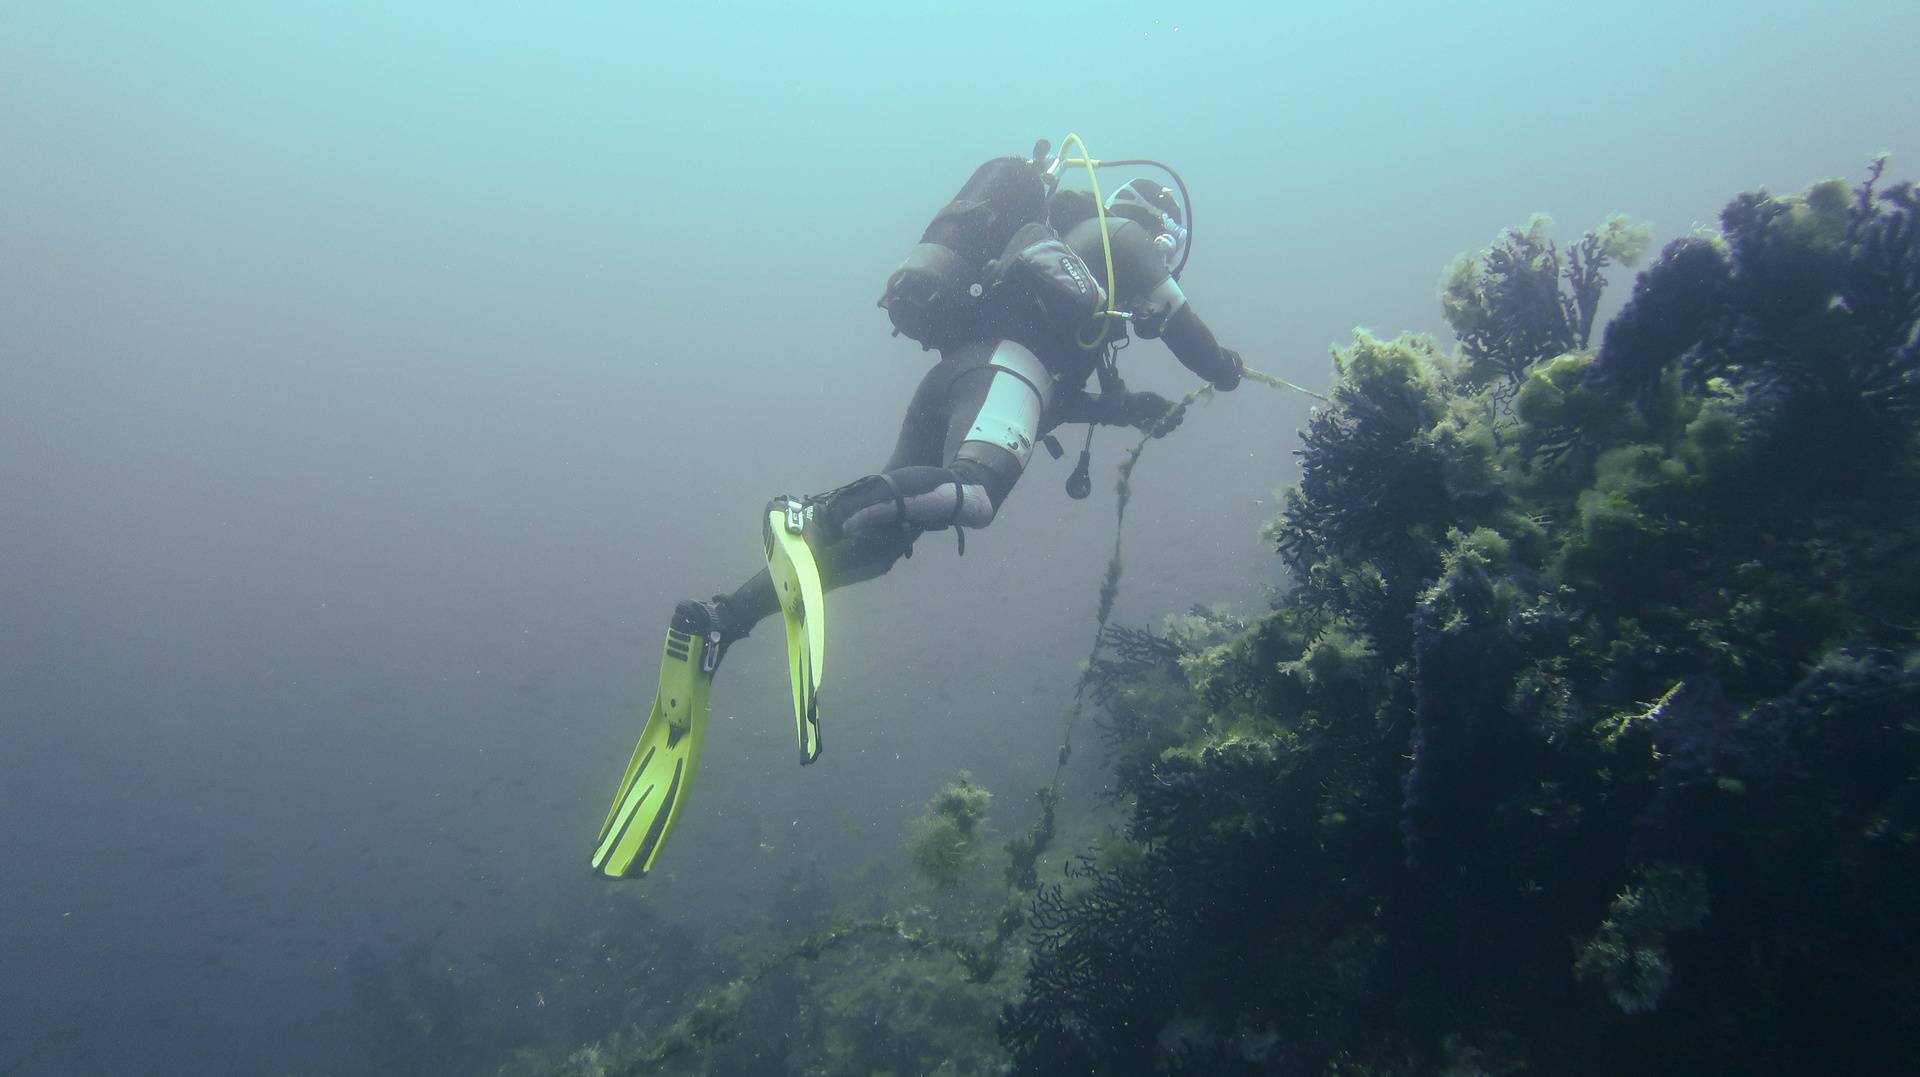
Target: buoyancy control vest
989 265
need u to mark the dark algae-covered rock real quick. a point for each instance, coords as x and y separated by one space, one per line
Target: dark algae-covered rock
1587 737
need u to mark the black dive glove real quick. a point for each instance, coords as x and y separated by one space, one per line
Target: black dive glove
1229 379
1147 413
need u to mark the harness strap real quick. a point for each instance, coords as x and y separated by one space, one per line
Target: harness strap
899 510
1024 380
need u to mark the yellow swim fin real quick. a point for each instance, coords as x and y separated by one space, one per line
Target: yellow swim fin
660 773
796 579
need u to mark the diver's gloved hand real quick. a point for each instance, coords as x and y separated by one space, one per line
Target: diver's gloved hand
1229 379
1145 412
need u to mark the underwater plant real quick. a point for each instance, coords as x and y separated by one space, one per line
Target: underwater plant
1808 305
942 844
1520 301
888 983
1629 954
1381 483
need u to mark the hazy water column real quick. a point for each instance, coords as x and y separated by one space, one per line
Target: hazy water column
375 380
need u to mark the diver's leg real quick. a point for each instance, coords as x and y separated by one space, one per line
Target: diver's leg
989 443
853 558
991 417
977 412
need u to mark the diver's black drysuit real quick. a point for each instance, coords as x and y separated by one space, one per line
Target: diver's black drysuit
977 414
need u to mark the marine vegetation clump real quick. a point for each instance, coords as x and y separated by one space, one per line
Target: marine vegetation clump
1805 314
1629 953
889 983
1141 686
1587 739
1522 300
943 844
1024 852
1136 653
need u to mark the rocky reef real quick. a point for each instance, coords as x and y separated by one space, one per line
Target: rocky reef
1586 737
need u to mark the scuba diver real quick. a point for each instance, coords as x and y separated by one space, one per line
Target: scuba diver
1026 291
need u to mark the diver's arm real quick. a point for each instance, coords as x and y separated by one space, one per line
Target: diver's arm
1077 406
1146 411
1193 344
1160 308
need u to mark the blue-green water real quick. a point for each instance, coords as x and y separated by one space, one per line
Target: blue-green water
376 378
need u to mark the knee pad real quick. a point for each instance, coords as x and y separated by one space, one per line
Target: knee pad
1008 414
989 466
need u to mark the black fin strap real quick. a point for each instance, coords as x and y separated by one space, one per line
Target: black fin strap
959 502
899 510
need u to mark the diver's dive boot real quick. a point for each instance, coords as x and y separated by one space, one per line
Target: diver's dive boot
786 528
660 773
